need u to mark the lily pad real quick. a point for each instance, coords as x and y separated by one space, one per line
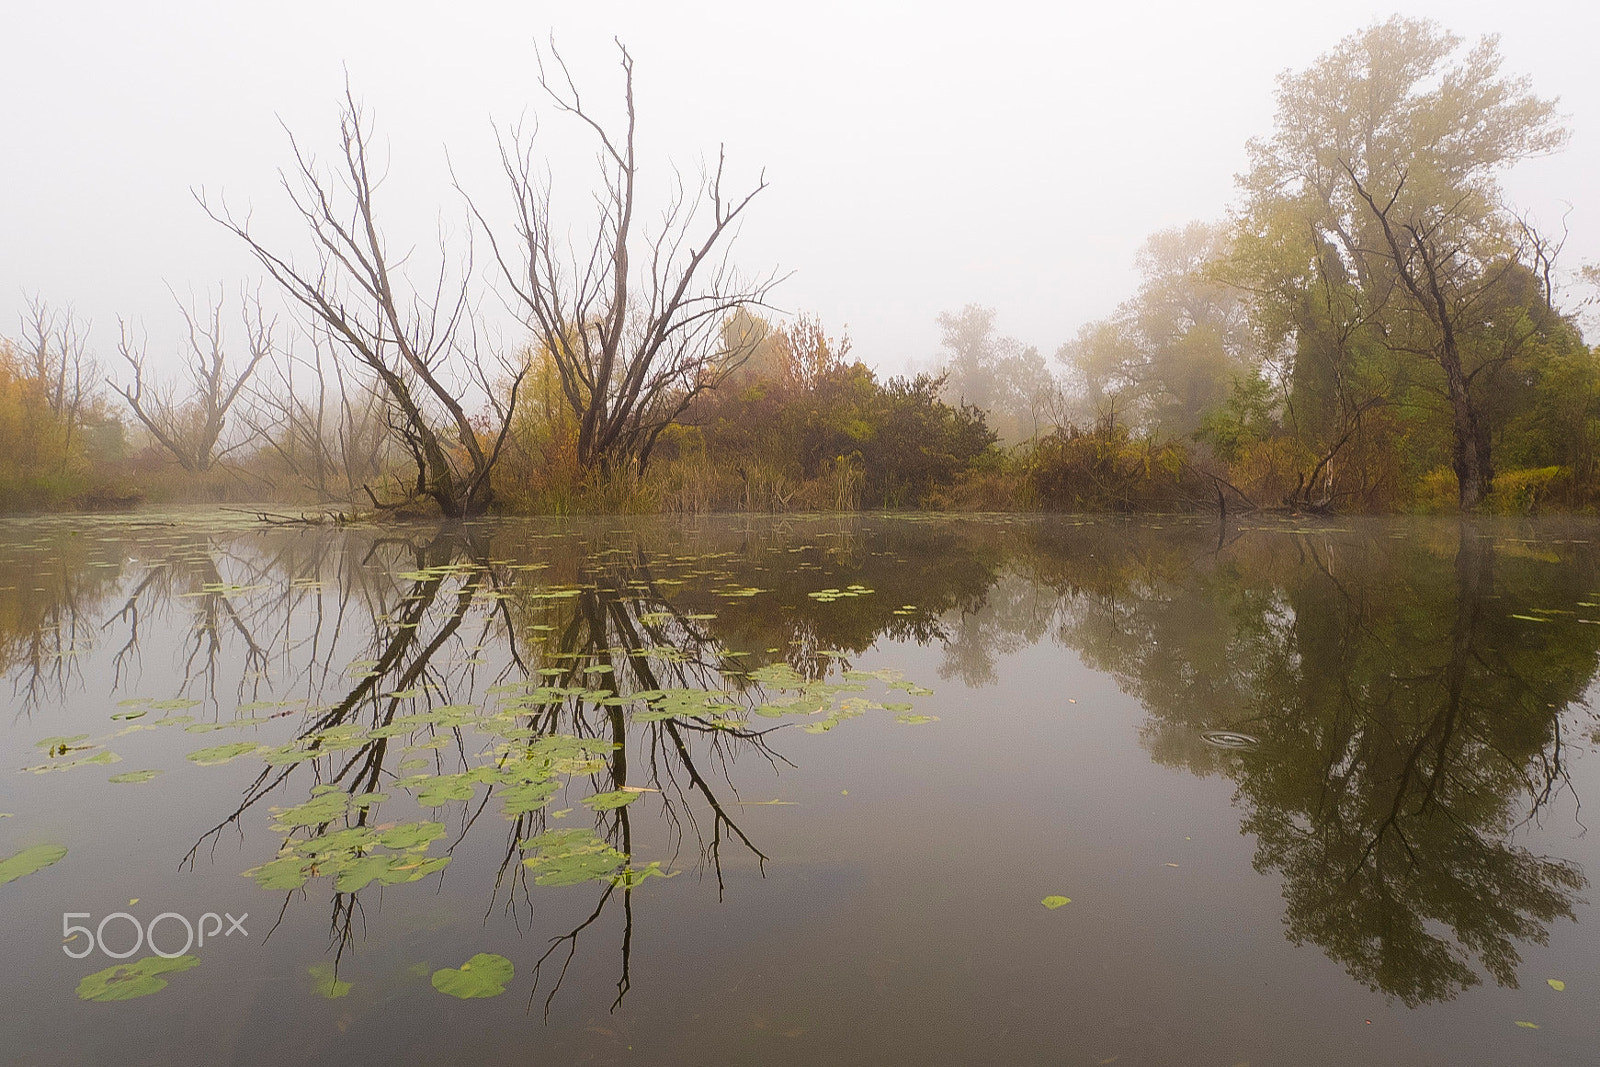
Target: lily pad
29 860
98 759
132 777
411 835
325 983
484 975
568 857
607 801
126 981
211 757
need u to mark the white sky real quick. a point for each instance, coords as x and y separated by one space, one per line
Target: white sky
921 155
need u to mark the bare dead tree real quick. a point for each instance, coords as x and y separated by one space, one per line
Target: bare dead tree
417 343
633 322
55 356
191 425
326 428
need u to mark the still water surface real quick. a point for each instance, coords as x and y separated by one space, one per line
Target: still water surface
795 791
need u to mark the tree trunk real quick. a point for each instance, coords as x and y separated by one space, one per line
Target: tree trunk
1470 449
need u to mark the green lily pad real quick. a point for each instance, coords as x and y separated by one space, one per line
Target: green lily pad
285 872
210 757
325 983
173 705
411 835
132 777
619 798
126 981
320 809
1054 902
98 759
568 857
484 975
29 860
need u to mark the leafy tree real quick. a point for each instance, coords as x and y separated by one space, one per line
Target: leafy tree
1005 379
1167 355
1380 183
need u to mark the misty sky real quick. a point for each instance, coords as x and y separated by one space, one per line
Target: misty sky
921 156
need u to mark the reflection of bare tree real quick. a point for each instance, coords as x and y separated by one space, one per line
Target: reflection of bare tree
49 591
616 635
1408 725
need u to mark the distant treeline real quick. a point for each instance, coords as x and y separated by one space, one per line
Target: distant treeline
1373 328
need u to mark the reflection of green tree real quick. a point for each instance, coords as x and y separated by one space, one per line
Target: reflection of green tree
1407 722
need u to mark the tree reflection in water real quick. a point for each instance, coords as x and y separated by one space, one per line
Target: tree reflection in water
1408 721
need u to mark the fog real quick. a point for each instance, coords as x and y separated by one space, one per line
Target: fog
920 158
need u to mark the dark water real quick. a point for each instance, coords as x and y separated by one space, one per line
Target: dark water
1315 793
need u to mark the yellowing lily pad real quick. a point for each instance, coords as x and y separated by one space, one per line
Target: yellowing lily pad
210 757
29 860
126 981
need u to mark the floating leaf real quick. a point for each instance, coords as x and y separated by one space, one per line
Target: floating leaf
436 790
211 757
132 777
285 872
411 835
320 809
527 796
29 860
357 873
60 745
325 982
607 801
1527 1025
568 857
1557 984
126 981
1054 902
484 975
98 759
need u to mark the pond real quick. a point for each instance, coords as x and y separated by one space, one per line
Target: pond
839 789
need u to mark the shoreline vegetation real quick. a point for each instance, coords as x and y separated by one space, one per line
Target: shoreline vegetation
1372 329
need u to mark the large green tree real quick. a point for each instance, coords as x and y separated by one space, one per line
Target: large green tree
1380 186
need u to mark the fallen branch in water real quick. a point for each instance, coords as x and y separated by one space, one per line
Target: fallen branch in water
324 518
